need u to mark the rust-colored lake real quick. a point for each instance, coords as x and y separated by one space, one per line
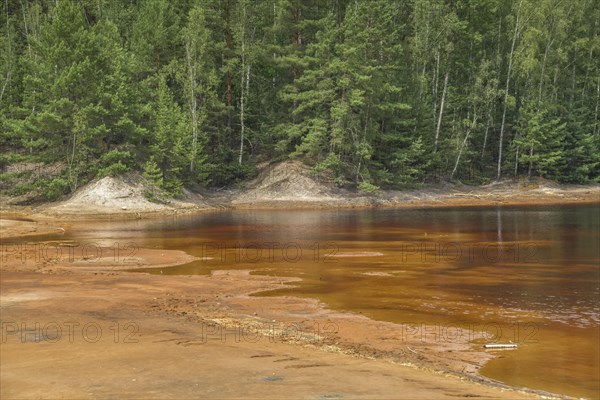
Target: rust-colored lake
526 275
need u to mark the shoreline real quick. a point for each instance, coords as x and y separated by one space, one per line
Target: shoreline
503 196
227 304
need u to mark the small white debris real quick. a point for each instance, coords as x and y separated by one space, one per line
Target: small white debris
500 346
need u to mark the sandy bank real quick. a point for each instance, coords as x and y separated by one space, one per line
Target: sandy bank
291 185
86 328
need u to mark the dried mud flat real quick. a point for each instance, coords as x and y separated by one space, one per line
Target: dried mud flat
82 329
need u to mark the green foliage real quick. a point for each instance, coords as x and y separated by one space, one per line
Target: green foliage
389 93
56 188
153 174
542 138
410 165
115 162
154 179
367 187
173 186
332 163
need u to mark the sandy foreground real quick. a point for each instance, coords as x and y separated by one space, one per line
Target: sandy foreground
86 328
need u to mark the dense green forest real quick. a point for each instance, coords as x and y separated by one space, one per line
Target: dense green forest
370 93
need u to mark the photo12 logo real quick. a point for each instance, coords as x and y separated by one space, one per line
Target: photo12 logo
306 331
468 252
269 252
517 332
69 331
54 252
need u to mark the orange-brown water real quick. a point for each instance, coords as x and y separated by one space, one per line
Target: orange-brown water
523 275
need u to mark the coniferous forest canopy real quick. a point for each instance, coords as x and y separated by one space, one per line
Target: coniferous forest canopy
372 93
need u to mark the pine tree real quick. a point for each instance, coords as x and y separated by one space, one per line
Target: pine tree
59 88
168 133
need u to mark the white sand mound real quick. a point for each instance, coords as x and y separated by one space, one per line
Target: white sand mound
109 195
111 192
286 181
